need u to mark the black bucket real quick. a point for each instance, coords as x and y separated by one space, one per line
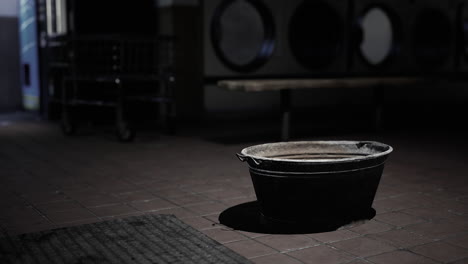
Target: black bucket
316 181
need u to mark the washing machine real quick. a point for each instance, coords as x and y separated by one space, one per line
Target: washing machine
433 36
462 37
267 38
379 43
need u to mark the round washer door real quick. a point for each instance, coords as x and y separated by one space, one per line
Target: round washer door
463 30
242 34
379 34
432 38
316 34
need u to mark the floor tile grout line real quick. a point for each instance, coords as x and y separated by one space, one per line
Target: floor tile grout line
252 239
87 209
300 261
399 210
363 259
298 249
363 236
405 213
403 250
380 221
439 239
259 256
41 214
455 236
151 211
421 255
327 245
458 260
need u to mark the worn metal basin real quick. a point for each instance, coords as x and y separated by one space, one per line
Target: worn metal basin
316 181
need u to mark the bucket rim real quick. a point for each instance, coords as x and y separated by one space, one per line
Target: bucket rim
247 151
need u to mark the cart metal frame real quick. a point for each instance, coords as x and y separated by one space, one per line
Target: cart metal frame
124 63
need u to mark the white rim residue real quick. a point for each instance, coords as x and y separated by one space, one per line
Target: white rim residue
358 150
378 36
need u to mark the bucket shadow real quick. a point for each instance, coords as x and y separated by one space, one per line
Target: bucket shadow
247 217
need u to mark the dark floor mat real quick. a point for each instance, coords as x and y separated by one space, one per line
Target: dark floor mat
137 239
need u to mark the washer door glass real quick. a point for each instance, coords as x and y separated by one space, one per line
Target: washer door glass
377 36
316 34
242 34
464 30
432 38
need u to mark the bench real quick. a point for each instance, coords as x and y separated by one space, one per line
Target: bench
285 87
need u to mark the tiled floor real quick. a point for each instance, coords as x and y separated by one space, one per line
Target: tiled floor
48 180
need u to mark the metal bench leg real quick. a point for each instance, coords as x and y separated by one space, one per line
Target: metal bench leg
67 122
285 101
125 132
379 94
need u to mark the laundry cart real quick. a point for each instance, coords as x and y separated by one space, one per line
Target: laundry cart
118 72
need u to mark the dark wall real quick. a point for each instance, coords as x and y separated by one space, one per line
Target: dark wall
114 17
10 92
182 21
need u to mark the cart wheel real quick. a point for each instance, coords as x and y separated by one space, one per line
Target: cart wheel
67 124
124 132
